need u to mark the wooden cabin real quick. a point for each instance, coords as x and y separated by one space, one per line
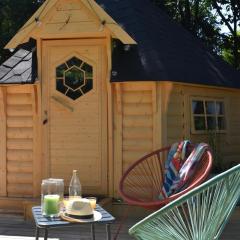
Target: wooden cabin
94 85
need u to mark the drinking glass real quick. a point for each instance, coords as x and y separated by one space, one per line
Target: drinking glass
93 201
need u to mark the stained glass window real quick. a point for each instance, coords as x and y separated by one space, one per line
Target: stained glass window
74 78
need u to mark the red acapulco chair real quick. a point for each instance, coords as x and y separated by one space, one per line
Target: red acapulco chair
143 181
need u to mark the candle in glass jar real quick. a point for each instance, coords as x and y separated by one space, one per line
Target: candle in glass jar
51 205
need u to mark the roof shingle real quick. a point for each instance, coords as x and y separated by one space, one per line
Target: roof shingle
165 50
21 67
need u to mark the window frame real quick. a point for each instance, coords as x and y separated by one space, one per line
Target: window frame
61 87
205 115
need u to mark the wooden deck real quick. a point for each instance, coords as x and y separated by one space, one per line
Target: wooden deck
14 227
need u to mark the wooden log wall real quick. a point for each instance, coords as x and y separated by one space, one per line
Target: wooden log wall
135 116
147 117
20 113
175 113
178 117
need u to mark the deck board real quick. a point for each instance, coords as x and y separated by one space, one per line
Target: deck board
13 227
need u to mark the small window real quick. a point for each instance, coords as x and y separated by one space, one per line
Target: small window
208 115
74 78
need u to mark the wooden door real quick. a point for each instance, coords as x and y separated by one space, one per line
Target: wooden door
75 111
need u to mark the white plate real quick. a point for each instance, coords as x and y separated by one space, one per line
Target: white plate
96 217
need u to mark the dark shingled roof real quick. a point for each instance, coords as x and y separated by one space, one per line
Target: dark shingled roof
165 50
21 67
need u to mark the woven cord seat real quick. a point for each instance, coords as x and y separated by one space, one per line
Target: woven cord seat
200 214
143 181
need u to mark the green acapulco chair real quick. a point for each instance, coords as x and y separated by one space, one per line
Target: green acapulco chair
200 214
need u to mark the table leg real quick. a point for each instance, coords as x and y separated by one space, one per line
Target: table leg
46 234
108 231
93 231
37 233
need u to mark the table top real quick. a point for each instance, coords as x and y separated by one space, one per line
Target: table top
45 222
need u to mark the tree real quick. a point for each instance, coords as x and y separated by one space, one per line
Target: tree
205 19
197 17
227 52
229 14
13 14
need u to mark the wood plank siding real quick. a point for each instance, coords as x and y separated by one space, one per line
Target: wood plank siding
178 117
70 19
144 120
19 128
145 116
135 119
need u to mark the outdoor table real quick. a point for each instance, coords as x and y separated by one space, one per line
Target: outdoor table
48 223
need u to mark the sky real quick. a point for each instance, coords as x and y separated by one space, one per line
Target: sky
224 28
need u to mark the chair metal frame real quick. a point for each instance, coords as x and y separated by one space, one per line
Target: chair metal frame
152 166
200 214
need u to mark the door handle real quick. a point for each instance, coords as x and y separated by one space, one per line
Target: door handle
45 121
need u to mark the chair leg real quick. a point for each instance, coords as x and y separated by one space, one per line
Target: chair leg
108 231
122 220
93 231
37 233
46 234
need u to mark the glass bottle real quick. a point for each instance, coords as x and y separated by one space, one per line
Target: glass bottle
75 188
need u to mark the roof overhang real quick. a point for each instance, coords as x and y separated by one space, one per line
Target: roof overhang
106 20
116 30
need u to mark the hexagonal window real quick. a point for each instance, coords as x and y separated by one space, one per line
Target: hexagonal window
88 70
74 62
60 70
74 78
61 87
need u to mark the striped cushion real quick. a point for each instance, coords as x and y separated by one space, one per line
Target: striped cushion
190 165
176 158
